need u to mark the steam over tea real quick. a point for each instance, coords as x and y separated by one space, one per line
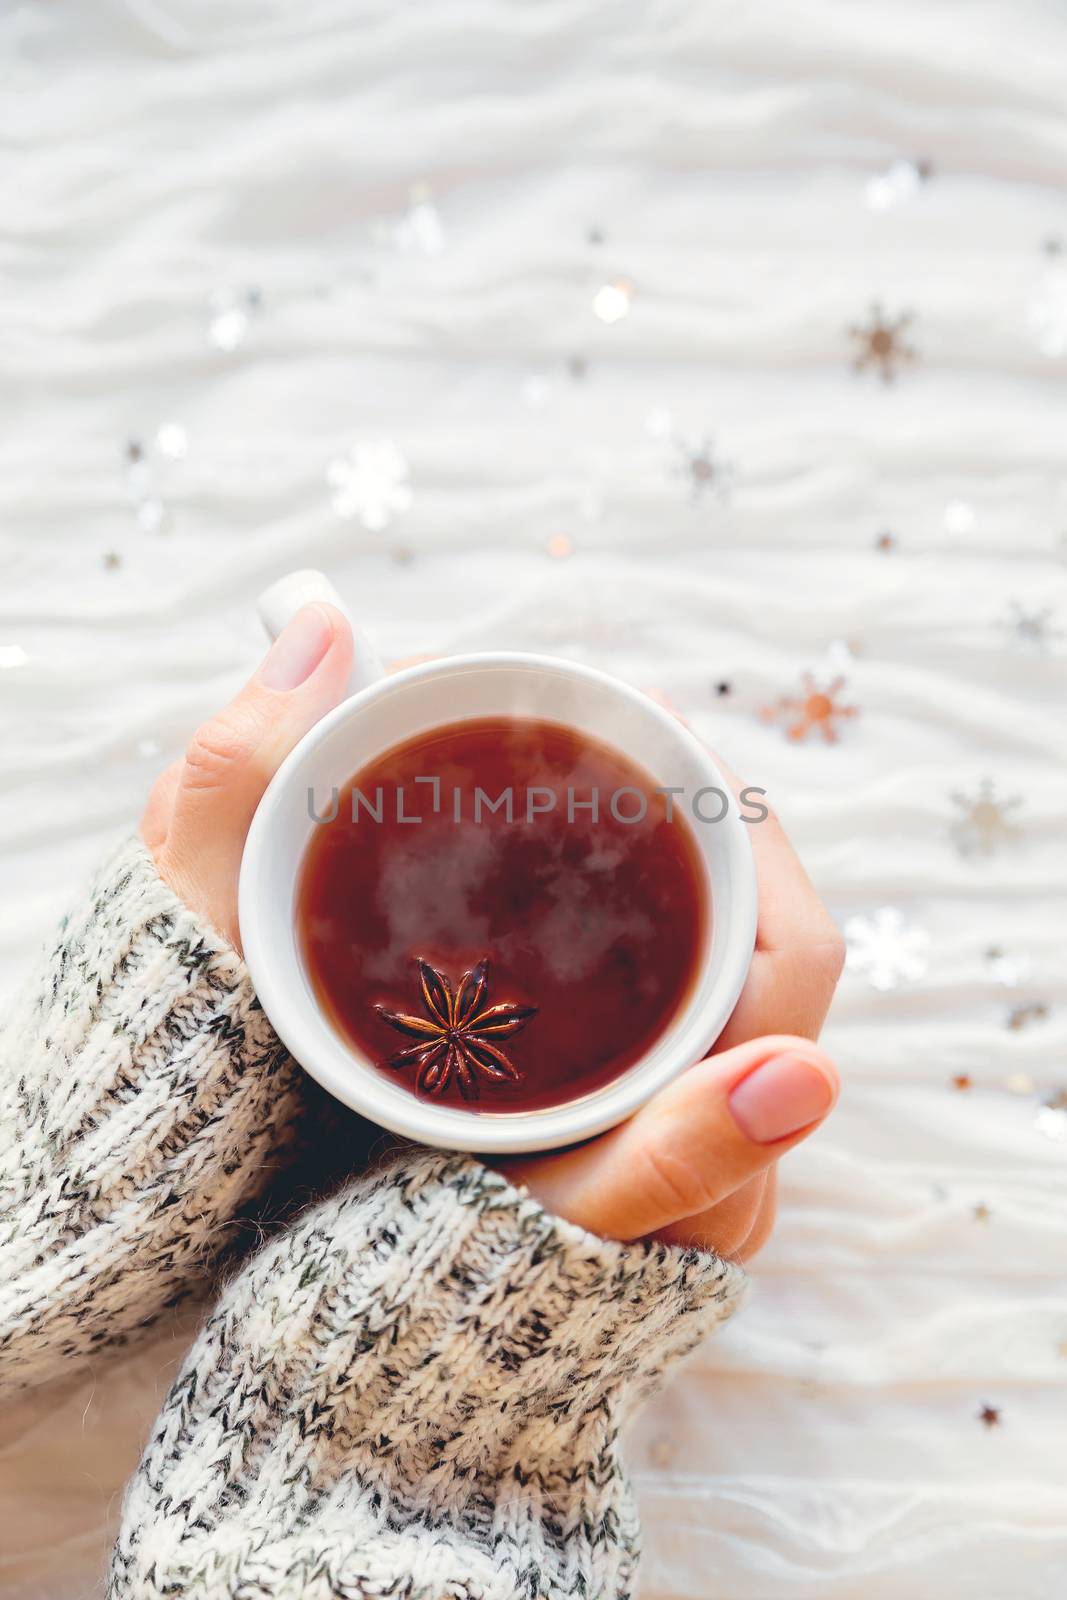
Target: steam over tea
503 914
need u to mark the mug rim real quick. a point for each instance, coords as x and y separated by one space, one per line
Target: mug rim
357 1083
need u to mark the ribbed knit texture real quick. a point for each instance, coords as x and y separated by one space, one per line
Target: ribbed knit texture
143 1098
415 1392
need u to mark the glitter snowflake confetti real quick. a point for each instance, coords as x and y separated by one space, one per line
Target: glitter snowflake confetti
881 344
814 708
612 300
703 470
886 949
985 821
370 483
697 462
1031 629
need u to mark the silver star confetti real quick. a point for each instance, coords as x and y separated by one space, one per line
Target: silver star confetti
984 825
886 949
370 483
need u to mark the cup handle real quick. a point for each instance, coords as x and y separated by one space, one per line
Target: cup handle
280 603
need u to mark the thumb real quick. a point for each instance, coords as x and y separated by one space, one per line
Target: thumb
701 1140
232 758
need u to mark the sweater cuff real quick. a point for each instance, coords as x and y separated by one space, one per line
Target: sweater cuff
511 1310
147 1098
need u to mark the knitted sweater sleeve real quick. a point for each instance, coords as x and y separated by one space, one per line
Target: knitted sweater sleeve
416 1392
143 1097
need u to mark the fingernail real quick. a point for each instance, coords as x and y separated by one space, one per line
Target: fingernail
297 650
780 1097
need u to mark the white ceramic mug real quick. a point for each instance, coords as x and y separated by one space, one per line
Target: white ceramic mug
385 711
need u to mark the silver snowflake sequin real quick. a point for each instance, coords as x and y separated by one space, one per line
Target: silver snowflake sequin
697 463
370 483
230 312
886 949
984 824
1032 630
704 472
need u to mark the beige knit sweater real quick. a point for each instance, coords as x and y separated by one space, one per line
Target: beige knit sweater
415 1391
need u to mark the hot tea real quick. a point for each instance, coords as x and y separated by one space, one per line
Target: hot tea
503 914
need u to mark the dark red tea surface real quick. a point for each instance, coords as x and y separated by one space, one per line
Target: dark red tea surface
583 936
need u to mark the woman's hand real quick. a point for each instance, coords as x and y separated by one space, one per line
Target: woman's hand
697 1165
200 809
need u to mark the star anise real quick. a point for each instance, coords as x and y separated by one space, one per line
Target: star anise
457 1038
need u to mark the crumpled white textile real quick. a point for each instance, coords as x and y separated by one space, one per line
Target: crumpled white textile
530 323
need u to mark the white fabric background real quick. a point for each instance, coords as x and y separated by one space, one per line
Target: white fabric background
161 154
